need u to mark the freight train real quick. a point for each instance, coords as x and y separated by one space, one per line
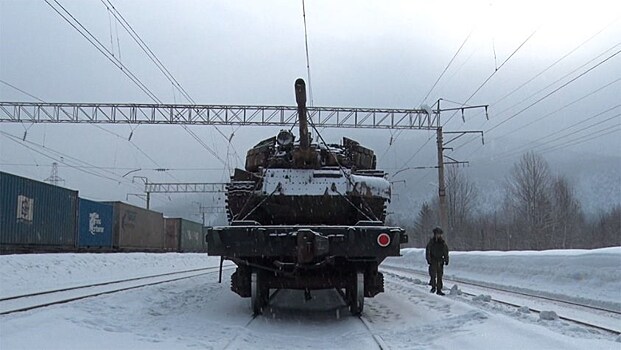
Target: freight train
39 217
307 216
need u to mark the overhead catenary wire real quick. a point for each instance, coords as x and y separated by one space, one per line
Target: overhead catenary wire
550 85
554 91
569 53
166 72
424 99
101 48
29 144
95 125
557 133
113 167
308 73
20 90
87 169
512 131
494 73
583 139
393 138
557 80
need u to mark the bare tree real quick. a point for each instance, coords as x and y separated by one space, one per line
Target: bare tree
528 197
608 231
567 214
461 197
426 220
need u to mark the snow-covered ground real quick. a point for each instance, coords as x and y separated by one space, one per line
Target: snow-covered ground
586 276
199 313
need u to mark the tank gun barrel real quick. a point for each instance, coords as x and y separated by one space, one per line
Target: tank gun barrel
300 98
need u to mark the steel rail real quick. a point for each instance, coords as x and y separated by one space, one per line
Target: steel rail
569 319
67 300
102 283
500 289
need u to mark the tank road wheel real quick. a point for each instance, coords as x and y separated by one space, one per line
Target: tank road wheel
258 293
356 294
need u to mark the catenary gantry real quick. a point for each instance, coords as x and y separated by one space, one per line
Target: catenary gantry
118 113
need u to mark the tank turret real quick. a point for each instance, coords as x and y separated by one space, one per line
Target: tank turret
289 182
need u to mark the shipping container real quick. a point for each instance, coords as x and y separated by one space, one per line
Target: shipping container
137 228
36 214
187 234
192 237
95 224
173 233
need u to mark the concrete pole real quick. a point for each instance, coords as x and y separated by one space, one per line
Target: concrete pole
441 185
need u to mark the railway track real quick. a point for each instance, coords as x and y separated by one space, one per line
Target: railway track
524 294
381 345
376 337
31 301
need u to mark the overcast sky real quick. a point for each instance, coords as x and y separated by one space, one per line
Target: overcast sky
362 54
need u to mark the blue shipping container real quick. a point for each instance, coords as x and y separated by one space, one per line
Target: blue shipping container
95 225
34 213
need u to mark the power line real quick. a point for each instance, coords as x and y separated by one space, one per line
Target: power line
560 109
145 48
494 72
102 49
64 156
446 68
551 84
95 125
166 72
119 65
554 91
557 132
310 89
398 133
583 139
20 90
557 61
558 80
116 168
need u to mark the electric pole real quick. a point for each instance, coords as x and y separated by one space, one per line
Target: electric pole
441 145
441 186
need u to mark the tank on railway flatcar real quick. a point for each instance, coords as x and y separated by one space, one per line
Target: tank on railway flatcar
307 215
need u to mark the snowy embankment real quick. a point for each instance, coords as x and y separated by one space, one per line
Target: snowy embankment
586 276
27 273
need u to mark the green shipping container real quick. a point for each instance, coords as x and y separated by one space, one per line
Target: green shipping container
188 235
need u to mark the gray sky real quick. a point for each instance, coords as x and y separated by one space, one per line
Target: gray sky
362 54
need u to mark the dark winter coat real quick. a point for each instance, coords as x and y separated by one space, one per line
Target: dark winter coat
437 250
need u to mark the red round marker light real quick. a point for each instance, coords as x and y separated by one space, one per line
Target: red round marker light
383 240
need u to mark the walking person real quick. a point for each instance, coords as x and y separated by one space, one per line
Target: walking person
437 256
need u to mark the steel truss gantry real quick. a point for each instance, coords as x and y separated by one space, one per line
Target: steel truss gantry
118 113
184 187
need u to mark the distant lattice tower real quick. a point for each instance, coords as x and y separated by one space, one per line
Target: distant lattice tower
54 179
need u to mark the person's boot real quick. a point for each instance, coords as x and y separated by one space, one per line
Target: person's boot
439 292
433 290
